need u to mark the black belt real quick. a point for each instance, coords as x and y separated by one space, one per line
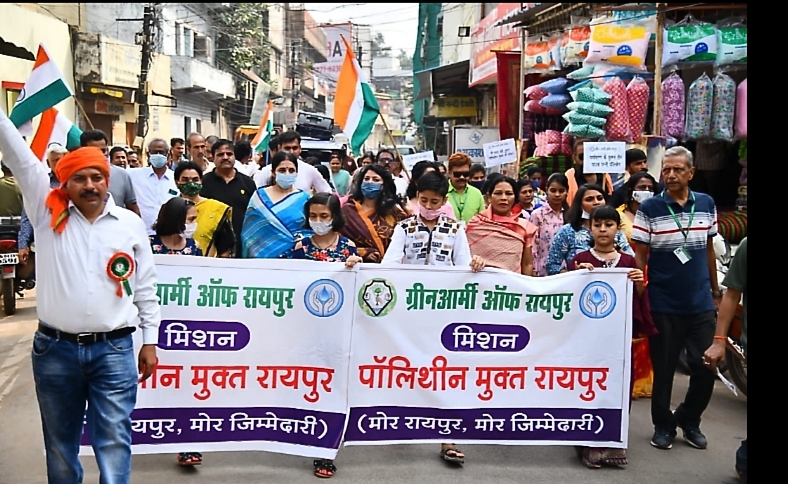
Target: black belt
85 338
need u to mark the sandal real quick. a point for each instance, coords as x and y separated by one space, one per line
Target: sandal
591 457
189 459
615 458
453 454
324 468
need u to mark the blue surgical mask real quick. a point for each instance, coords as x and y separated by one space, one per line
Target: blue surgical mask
157 161
371 190
286 180
535 184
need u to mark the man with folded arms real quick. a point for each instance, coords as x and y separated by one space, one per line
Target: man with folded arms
96 277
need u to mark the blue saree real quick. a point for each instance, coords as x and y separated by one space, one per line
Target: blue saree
270 230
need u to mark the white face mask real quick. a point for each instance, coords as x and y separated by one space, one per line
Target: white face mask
321 228
190 230
641 196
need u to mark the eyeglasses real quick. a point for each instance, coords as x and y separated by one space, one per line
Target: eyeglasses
385 160
461 174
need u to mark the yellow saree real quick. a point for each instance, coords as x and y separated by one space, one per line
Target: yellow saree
213 217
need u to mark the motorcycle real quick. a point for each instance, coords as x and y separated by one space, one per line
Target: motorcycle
16 277
735 363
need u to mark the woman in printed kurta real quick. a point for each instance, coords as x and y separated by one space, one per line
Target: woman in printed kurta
575 237
548 220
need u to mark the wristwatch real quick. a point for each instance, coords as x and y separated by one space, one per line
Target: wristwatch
716 293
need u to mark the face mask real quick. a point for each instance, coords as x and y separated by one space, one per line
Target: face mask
371 189
641 196
285 180
190 230
429 214
190 189
586 215
321 228
535 184
476 184
157 161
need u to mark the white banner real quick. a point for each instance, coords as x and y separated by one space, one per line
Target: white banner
494 357
335 53
253 355
257 355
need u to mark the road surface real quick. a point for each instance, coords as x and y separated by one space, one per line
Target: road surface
22 459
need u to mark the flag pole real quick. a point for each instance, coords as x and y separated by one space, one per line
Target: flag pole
84 113
394 144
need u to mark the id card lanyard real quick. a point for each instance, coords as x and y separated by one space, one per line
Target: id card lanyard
681 252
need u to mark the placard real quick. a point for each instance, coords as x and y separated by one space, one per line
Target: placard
410 160
500 152
605 157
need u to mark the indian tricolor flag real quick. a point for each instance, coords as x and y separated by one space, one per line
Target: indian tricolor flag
54 129
266 130
45 88
355 106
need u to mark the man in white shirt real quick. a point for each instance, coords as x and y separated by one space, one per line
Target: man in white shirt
244 159
308 177
198 151
154 184
386 159
96 279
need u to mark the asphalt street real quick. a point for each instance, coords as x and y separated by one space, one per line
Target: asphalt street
22 457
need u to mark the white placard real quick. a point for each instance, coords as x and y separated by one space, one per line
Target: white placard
410 160
605 157
500 152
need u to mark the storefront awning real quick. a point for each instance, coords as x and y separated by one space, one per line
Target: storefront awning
527 14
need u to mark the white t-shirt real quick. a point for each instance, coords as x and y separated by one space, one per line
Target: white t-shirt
308 178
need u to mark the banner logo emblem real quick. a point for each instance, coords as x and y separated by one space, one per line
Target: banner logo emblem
324 298
377 298
597 300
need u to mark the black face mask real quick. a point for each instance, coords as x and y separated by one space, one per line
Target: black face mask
477 184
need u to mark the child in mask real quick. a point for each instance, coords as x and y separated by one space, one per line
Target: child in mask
414 243
323 214
324 217
175 228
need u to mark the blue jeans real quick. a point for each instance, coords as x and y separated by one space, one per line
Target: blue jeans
69 376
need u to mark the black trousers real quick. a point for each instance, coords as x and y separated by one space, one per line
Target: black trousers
676 332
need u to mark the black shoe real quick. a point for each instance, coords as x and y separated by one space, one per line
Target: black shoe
663 439
695 437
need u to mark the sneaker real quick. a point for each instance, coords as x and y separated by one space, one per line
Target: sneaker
694 437
663 439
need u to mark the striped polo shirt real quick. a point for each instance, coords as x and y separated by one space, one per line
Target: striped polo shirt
673 287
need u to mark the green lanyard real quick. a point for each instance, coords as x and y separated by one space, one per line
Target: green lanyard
460 206
684 232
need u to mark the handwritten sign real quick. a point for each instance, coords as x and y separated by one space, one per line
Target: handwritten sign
605 157
500 152
411 160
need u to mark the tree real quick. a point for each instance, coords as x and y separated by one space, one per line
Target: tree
241 41
379 47
405 60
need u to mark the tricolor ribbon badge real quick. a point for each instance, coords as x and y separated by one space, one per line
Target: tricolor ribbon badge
120 269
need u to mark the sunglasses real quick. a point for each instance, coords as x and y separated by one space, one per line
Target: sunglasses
461 174
385 160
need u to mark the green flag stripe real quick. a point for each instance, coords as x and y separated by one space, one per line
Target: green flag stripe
39 102
368 117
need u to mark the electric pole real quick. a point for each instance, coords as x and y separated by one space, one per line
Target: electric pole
146 40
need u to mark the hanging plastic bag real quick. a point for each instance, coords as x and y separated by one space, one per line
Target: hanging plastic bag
723 107
625 44
536 93
617 127
699 103
582 73
559 85
537 56
689 41
673 103
534 107
741 110
584 131
588 95
591 109
732 42
556 102
554 49
573 117
638 94
575 42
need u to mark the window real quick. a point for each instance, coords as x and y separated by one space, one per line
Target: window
278 65
187 127
214 116
198 122
188 42
11 95
202 47
178 38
